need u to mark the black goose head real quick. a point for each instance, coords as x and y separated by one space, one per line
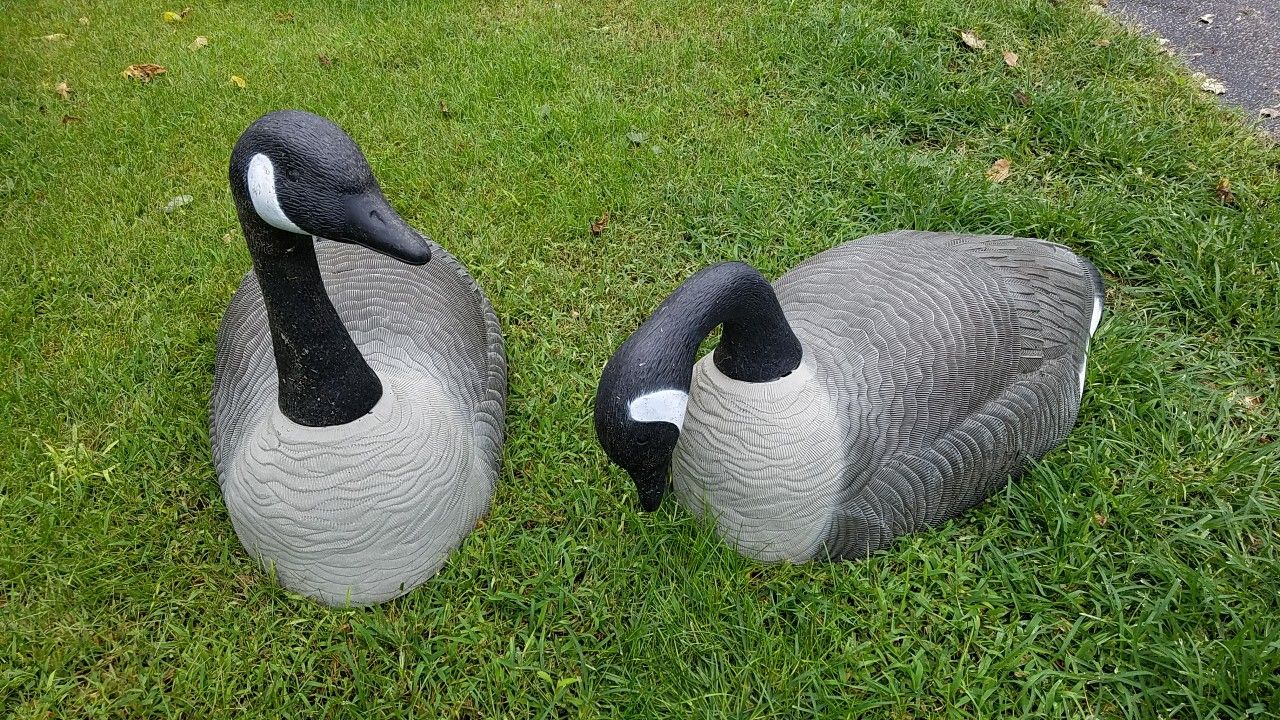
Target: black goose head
300 173
639 411
644 389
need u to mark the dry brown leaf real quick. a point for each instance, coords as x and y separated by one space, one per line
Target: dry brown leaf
1010 58
1102 42
143 72
444 109
64 90
599 225
999 171
284 17
1251 402
325 60
68 119
199 42
1099 519
238 81
1021 98
1224 192
972 40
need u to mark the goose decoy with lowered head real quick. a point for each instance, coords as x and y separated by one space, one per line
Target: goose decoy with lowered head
360 384
881 386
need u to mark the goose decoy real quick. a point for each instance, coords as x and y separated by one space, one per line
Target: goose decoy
360 384
881 386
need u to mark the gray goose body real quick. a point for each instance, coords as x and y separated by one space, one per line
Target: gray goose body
933 367
359 391
365 511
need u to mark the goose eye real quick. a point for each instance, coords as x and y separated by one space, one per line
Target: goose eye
291 174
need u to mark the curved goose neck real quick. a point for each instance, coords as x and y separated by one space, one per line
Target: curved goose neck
757 344
323 379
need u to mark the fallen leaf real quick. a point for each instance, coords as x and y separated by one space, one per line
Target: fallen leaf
1224 192
68 119
284 17
1251 402
170 16
325 60
1207 19
1010 58
237 81
599 225
1269 112
972 40
574 314
636 137
444 109
1209 84
999 171
199 42
64 90
177 202
54 37
1021 98
143 71
1102 42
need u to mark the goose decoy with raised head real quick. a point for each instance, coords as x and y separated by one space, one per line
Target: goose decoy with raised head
881 386
360 385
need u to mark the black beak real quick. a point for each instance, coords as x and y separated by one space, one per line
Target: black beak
372 223
651 488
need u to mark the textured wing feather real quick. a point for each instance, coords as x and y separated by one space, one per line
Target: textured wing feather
956 358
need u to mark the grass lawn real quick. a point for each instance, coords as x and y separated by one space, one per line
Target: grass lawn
1135 572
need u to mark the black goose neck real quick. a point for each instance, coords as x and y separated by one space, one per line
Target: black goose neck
757 343
323 378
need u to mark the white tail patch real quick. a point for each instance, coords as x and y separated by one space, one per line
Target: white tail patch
660 406
262 191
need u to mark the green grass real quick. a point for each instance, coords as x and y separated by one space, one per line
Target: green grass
1133 573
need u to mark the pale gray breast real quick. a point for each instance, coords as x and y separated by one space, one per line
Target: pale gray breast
956 360
428 322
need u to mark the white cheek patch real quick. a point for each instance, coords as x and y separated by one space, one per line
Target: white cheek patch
262 191
660 406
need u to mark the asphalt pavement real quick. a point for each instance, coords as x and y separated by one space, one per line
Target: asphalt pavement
1237 43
